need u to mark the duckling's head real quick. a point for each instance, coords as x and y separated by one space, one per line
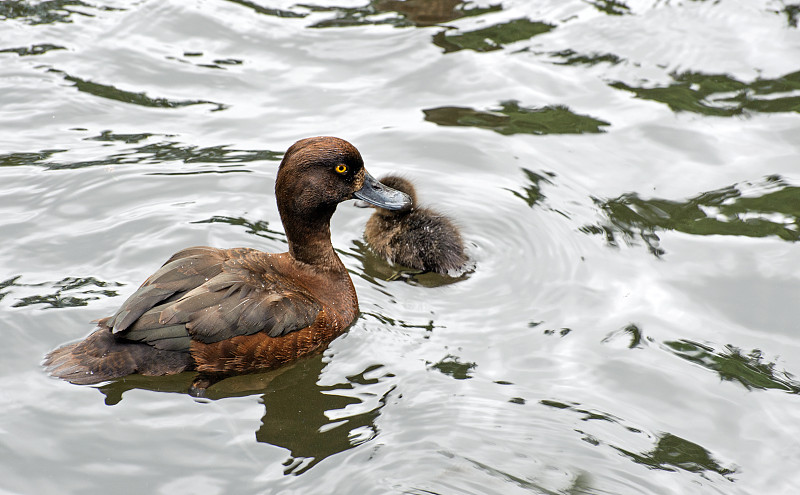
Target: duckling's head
318 173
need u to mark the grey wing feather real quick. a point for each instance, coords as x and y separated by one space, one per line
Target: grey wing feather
201 294
184 271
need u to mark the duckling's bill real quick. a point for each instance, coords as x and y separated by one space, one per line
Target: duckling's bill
375 193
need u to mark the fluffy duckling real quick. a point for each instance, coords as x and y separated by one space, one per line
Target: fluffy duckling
418 238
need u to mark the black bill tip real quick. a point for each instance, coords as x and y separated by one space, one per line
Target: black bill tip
375 193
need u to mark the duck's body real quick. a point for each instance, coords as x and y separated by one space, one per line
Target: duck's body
241 310
418 238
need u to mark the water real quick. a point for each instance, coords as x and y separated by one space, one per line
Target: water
625 173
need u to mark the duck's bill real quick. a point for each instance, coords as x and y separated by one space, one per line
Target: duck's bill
375 193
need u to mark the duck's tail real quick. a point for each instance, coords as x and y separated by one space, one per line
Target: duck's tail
102 357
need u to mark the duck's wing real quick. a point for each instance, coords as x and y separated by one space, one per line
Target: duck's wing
210 295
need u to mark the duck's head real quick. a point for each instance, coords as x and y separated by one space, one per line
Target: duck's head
318 173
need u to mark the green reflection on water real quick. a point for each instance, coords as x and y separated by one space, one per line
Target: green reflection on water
792 12
671 452
21 159
722 95
33 49
70 292
259 227
510 118
633 332
580 484
493 37
167 151
266 10
109 136
113 93
298 409
47 12
409 13
749 370
610 7
451 365
725 211
587 415
5 284
571 57
532 193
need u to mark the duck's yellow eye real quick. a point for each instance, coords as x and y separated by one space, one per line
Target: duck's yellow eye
341 168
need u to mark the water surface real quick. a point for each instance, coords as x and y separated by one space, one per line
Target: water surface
625 174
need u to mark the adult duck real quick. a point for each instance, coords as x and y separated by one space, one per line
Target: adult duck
415 237
228 311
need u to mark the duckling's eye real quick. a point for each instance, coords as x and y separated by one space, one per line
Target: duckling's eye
341 168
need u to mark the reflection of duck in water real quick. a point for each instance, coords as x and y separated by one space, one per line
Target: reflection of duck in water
418 238
221 311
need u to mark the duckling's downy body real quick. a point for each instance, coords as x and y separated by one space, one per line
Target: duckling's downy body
222 311
418 238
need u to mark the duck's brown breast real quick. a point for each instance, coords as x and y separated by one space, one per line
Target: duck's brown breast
259 351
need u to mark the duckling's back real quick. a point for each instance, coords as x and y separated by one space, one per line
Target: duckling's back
421 239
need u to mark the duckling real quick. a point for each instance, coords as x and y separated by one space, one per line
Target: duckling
418 238
226 311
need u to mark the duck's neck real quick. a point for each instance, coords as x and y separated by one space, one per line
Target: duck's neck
310 240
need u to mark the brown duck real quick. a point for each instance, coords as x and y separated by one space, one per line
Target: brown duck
226 311
418 238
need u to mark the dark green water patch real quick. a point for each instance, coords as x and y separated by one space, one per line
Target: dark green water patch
297 408
727 211
297 416
580 485
571 57
5 284
110 136
452 366
636 337
510 118
792 13
258 227
113 93
532 193
722 95
672 452
214 63
32 158
152 153
732 364
586 414
24 51
69 292
47 12
610 7
561 332
394 322
397 13
491 38
266 10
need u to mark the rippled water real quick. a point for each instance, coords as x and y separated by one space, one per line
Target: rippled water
626 174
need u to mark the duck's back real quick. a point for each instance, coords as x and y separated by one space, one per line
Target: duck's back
214 310
421 239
